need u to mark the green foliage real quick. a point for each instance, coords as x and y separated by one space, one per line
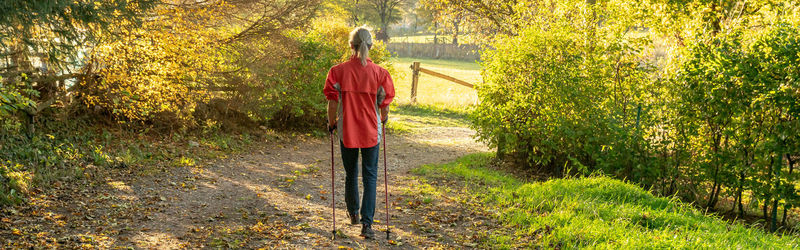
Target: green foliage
556 97
719 122
591 212
60 29
737 95
28 162
13 100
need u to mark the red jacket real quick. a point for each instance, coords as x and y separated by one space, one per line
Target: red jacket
361 91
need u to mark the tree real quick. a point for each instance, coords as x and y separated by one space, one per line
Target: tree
350 10
260 18
452 19
386 11
489 16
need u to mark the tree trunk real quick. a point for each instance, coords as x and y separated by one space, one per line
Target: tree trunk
773 224
712 198
739 193
385 29
767 195
786 207
455 31
435 33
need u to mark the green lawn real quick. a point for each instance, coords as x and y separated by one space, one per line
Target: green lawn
436 91
591 212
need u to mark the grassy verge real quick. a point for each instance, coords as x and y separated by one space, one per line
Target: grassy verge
436 91
591 212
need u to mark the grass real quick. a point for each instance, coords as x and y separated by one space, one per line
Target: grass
592 212
406 118
436 91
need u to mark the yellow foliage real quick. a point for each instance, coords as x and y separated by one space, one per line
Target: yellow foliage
159 67
19 179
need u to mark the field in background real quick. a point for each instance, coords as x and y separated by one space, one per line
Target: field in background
436 91
463 39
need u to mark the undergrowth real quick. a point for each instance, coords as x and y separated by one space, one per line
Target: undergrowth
63 151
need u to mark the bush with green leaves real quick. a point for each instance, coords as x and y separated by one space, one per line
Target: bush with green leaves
718 121
737 95
13 100
555 97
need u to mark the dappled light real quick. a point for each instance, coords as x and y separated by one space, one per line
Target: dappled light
526 124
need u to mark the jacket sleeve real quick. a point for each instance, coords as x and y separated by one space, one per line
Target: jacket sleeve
330 91
388 88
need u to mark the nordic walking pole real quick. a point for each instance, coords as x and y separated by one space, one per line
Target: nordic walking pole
385 181
333 187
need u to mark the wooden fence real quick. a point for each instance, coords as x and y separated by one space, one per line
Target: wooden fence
416 69
465 52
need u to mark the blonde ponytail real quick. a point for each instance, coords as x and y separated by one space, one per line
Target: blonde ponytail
361 42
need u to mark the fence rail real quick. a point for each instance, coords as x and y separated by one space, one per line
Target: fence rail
416 69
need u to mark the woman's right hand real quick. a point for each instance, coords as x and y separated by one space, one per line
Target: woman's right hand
331 127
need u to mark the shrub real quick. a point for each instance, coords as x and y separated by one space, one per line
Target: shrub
721 122
12 99
286 92
555 98
737 96
156 72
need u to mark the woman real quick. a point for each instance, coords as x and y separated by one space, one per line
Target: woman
359 93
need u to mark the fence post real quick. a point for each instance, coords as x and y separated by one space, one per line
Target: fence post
414 81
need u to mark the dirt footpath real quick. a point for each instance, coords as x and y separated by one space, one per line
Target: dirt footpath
277 196
283 190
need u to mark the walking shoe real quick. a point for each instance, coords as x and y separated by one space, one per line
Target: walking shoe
353 218
366 231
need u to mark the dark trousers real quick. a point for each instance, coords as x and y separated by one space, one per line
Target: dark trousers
369 169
